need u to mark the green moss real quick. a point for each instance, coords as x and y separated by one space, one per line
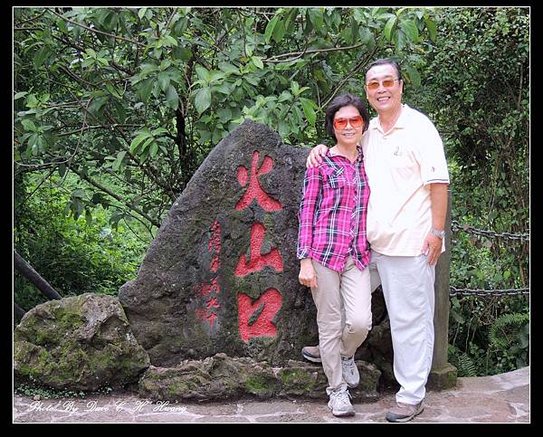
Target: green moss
69 321
68 360
176 388
261 385
296 377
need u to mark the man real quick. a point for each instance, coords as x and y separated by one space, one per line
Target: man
408 177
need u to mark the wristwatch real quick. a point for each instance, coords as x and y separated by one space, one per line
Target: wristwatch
437 233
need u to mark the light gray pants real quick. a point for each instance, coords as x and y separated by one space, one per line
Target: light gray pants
341 332
408 289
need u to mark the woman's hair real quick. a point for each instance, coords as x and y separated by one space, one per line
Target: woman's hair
338 103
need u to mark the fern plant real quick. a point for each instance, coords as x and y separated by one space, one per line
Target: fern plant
509 339
464 364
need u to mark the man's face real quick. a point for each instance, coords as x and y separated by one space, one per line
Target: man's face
383 88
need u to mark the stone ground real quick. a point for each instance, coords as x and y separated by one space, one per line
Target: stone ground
498 399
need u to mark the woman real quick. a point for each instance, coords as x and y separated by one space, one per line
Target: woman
333 249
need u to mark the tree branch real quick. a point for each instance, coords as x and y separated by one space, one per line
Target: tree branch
33 276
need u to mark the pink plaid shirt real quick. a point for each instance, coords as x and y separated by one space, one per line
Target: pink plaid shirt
332 214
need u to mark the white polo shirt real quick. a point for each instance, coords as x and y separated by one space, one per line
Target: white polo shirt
400 165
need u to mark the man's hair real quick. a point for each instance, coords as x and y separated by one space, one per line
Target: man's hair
338 103
387 61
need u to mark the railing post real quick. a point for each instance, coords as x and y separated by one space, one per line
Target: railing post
443 374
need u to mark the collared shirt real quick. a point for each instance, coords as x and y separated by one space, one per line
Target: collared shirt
401 164
332 214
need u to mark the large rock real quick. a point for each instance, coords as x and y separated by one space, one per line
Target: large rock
221 274
220 378
78 343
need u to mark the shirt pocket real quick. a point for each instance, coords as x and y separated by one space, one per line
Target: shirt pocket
336 177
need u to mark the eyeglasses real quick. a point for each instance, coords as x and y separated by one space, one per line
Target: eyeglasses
387 83
341 123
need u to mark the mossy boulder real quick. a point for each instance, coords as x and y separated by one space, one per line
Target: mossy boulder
220 378
78 343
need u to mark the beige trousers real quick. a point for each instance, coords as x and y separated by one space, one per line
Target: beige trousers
343 301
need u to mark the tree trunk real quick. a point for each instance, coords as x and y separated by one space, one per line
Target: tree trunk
33 276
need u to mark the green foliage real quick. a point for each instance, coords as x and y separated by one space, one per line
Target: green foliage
38 392
74 255
492 331
509 341
462 361
144 94
30 388
481 108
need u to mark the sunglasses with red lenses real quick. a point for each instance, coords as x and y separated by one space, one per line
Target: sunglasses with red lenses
355 122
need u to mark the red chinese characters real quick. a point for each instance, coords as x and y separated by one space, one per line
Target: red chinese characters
254 190
257 260
209 292
256 317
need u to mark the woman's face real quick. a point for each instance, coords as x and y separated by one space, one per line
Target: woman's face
348 125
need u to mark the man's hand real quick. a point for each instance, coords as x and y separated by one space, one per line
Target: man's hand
432 248
315 155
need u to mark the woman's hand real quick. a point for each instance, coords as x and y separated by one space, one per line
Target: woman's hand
307 276
315 155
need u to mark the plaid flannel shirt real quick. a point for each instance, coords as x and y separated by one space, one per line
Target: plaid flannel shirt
332 213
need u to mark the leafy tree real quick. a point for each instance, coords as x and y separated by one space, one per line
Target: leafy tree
141 95
478 74
478 89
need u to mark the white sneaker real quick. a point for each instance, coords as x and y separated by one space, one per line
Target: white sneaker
350 372
340 403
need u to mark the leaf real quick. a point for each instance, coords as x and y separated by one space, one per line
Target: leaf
414 76
29 125
113 90
145 146
163 80
279 31
410 29
202 99
142 136
41 56
141 13
432 28
257 60
159 131
309 111
316 18
170 41
144 89
228 68
172 98
388 27
202 73
270 27
153 149
118 161
62 169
